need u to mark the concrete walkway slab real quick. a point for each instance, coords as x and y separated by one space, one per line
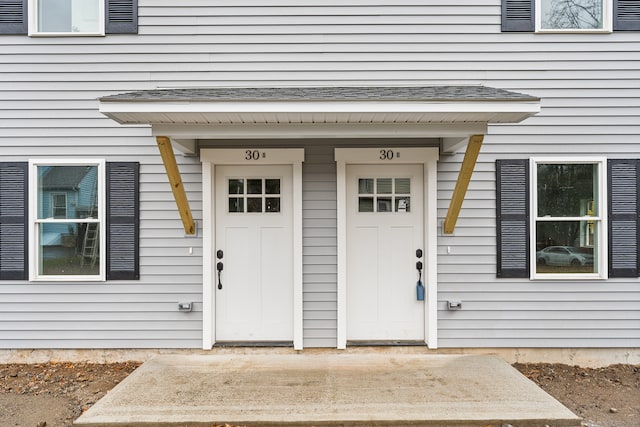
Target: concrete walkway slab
327 389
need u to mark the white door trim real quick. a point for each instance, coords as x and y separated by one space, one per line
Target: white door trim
428 157
246 157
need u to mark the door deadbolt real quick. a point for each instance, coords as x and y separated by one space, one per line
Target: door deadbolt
418 253
219 254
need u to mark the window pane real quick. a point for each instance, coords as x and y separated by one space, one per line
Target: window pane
365 186
567 190
572 14
236 186
403 186
403 204
561 247
236 204
254 204
365 204
69 249
254 186
384 204
272 186
78 185
272 204
59 205
69 16
384 185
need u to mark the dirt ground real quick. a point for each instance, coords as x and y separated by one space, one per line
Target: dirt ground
603 397
54 394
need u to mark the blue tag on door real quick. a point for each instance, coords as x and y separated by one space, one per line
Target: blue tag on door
419 291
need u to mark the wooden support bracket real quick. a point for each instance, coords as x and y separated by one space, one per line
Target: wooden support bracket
464 176
170 165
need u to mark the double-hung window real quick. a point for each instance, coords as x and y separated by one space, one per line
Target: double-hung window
569 207
71 220
67 241
568 218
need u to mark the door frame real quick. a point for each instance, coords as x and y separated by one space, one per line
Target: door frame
213 157
428 157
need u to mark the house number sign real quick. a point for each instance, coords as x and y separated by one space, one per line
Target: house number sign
253 155
389 154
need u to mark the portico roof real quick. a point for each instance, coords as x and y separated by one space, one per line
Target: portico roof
286 111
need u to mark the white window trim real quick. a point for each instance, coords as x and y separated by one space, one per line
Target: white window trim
602 239
607 20
34 240
33 23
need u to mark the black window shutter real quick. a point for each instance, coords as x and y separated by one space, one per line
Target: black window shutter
13 221
624 217
123 221
512 214
518 15
13 17
626 15
121 16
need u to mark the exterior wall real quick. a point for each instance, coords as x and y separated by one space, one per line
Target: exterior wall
590 104
121 314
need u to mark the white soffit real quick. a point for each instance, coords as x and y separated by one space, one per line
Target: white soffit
427 111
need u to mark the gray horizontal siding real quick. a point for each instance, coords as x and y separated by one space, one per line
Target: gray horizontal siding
319 246
591 104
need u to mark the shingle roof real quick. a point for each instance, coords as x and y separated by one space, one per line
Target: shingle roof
64 177
364 93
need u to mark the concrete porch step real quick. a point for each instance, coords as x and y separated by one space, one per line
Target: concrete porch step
331 389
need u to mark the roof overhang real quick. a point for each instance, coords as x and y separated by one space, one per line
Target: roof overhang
425 112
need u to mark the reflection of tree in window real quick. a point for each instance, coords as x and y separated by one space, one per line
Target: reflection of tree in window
572 14
567 212
562 187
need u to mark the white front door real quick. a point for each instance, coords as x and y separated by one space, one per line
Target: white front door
384 207
254 243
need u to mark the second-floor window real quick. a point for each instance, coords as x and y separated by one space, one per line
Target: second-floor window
573 15
73 17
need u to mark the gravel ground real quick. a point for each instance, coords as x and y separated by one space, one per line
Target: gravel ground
54 394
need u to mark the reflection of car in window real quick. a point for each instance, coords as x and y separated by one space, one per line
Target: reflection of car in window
563 256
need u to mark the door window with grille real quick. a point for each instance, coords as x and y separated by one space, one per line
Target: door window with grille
384 195
254 195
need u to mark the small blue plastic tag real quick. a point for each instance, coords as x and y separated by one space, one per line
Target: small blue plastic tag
419 291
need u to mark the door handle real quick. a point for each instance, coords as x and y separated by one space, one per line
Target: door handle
419 285
219 267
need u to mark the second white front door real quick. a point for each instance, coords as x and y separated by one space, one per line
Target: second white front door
384 206
254 247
